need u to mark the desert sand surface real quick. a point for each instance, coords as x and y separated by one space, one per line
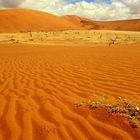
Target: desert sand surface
72 37
39 85
18 20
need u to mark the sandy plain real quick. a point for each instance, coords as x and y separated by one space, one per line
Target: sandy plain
72 37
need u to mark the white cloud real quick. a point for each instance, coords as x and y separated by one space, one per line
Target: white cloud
134 6
117 10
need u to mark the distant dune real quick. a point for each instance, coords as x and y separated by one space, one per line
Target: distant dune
32 20
15 20
121 25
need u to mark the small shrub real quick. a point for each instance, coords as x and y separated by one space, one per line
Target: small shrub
12 40
121 106
79 103
94 105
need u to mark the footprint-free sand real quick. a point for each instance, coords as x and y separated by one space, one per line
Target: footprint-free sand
39 85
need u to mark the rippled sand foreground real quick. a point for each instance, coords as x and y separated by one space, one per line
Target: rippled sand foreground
40 84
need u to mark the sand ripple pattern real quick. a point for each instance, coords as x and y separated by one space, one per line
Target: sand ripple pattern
39 86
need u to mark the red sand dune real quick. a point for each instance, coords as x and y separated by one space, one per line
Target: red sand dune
31 20
122 25
16 20
132 25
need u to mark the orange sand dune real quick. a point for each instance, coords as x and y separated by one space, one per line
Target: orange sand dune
40 84
124 25
18 20
132 25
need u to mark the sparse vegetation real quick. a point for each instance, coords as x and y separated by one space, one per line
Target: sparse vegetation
12 40
109 37
121 106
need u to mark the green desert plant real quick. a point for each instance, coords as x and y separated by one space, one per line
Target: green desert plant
94 105
122 106
79 103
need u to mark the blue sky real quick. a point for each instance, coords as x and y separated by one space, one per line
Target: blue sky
103 10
